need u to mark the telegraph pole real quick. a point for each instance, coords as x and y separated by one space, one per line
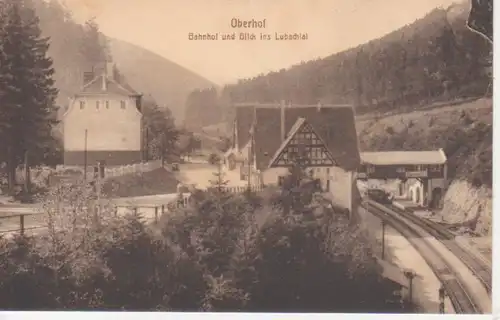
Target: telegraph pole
442 296
383 239
249 173
163 149
85 157
146 151
27 178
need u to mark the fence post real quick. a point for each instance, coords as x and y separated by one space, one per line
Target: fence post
21 222
156 214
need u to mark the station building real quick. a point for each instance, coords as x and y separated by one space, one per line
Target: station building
422 175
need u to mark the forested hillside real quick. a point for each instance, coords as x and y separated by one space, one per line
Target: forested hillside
149 73
434 58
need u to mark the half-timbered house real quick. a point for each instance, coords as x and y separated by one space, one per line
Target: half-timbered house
269 138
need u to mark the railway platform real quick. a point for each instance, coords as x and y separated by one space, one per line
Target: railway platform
399 253
466 278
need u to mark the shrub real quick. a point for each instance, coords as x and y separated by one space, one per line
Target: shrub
214 159
223 252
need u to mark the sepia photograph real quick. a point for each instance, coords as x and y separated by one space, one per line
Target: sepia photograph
250 156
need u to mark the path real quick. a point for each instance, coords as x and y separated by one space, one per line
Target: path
200 175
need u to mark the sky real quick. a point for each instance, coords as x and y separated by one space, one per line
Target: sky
163 26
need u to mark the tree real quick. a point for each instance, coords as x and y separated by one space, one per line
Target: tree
225 144
297 187
214 159
29 94
188 143
94 46
219 183
162 135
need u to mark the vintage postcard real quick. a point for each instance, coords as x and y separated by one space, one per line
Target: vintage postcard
291 156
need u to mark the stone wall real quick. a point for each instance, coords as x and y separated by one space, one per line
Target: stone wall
465 203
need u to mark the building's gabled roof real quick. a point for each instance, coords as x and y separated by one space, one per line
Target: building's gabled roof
334 124
279 157
404 157
110 85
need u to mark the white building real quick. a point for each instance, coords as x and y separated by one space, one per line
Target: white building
267 136
103 122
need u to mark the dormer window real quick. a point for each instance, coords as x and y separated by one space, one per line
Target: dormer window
107 104
82 104
122 104
97 103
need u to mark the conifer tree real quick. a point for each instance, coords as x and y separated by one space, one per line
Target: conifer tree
28 93
219 183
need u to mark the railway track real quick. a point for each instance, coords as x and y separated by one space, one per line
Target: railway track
477 266
456 291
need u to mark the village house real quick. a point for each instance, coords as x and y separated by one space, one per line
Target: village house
103 122
266 138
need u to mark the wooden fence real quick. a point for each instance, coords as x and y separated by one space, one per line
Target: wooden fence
133 168
22 222
115 171
240 189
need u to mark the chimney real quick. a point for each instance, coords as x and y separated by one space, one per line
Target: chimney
109 69
106 73
87 77
282 120
138 102
103 82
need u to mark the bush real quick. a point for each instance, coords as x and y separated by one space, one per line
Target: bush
214 159
223 252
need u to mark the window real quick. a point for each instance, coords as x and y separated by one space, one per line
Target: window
107 104
82 104
97 103
327 170
122 104
435 168
327 188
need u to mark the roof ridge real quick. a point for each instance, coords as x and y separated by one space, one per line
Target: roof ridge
91 82
120 85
